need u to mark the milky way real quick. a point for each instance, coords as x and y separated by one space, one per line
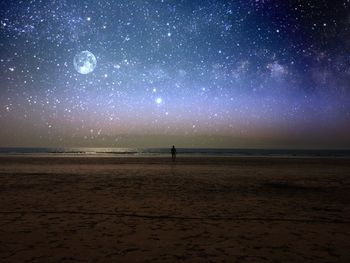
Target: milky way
243 73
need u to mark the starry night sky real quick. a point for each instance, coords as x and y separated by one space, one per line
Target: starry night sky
244 73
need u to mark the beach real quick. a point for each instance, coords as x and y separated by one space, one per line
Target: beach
198 209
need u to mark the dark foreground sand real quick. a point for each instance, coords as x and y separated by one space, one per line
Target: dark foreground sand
197 210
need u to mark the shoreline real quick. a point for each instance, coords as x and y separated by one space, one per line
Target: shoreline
163 156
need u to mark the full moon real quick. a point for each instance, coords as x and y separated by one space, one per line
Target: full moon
85 62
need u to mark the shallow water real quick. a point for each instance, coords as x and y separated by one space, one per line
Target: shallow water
180 151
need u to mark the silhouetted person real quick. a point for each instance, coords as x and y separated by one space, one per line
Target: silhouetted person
173 153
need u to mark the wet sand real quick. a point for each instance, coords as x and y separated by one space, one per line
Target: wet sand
94 209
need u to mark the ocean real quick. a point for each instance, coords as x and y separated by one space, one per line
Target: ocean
139 152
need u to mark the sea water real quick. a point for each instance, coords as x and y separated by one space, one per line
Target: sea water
127 152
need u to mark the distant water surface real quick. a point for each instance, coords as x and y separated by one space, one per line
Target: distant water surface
127 152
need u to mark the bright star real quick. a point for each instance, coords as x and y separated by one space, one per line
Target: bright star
159 100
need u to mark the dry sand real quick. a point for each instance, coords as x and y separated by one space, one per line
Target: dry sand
93 209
